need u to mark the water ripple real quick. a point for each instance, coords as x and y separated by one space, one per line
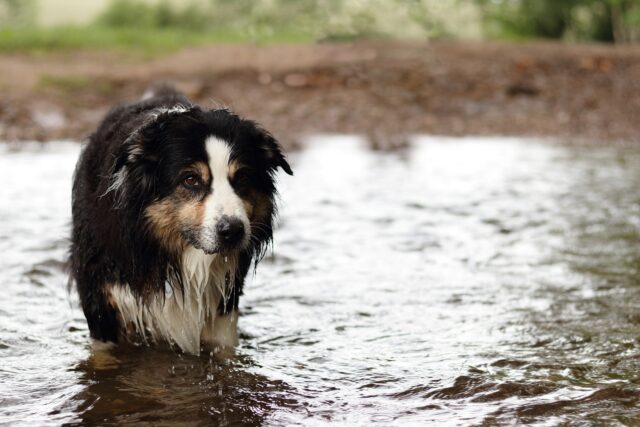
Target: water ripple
471 281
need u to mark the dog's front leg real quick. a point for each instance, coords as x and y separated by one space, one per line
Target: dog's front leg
224 331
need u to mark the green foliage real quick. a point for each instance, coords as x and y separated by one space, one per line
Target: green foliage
135 40
160 26
163 15
141 27
320 20
166 25
601 20
65 83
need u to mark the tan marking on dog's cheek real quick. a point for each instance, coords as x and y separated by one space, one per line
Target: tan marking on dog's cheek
182 195
191 214
164 224
248 208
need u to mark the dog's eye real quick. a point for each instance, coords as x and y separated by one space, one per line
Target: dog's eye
241 180
191 181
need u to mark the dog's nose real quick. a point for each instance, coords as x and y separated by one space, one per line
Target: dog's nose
230 230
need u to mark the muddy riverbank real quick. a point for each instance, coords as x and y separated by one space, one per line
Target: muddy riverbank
382 89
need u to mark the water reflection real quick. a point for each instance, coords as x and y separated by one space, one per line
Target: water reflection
139 385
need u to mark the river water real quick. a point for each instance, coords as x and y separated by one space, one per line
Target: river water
453 282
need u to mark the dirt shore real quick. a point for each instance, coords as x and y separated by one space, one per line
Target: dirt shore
382 89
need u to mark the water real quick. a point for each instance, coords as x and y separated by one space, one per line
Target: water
471 281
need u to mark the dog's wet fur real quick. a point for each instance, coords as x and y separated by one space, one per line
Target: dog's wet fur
172 204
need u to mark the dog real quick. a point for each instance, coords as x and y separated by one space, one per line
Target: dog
171 206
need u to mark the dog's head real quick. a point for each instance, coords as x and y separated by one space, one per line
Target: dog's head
200 178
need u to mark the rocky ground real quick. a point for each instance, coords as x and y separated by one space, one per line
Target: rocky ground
386 90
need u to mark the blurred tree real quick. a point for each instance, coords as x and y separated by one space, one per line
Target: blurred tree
123 13
625 20
602 20
422 13
316 19
311 16
17 12
164 14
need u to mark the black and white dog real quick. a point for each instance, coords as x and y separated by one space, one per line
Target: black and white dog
171 205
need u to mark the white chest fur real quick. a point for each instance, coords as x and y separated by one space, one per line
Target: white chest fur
190 320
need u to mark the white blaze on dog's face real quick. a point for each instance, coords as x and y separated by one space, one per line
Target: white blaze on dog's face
225 223
196 189
210 205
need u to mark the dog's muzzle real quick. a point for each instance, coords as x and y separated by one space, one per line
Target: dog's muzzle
230 232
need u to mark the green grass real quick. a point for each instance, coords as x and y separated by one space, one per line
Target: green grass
137 40
66 83
71 84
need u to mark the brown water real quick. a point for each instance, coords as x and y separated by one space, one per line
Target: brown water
471 281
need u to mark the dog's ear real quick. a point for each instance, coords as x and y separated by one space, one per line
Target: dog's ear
137 147
143 143
135 163
273 152
130 176
130 151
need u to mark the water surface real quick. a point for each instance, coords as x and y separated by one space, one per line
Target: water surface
473 281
